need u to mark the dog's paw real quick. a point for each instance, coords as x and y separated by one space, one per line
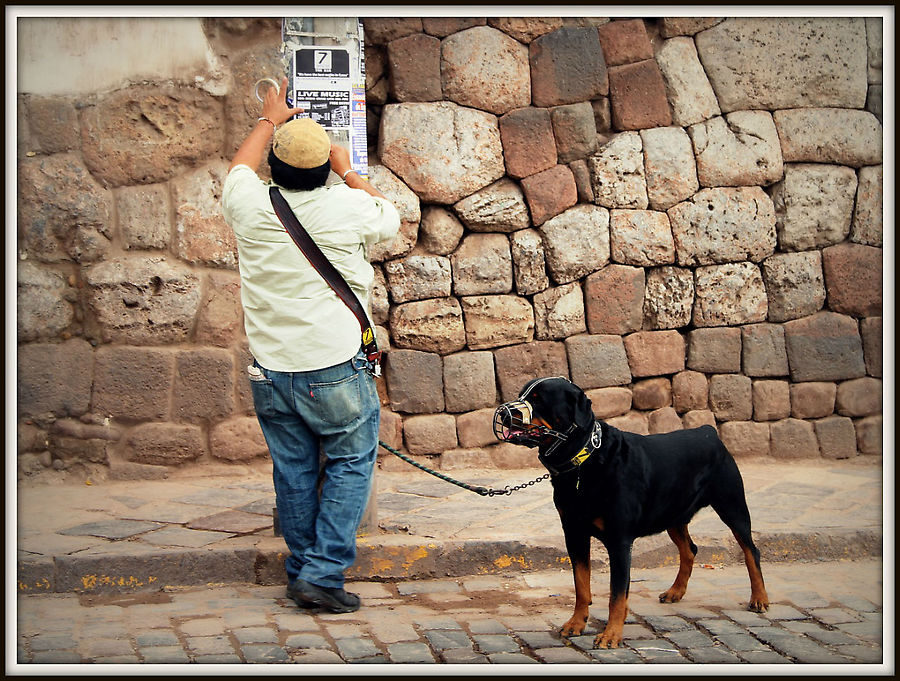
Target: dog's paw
610 638
574 627
671 596
758 604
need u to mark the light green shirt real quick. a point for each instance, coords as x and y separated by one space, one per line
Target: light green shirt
293 319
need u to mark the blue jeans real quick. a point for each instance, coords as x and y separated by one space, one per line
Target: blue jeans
335 411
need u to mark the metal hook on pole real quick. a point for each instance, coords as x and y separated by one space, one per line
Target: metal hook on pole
271 81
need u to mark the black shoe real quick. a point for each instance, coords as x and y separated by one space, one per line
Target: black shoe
308 595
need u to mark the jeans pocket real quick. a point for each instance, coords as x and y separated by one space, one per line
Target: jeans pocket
338 402
263 397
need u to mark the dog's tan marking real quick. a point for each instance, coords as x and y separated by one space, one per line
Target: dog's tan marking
682 540
612 634
759 599
575 625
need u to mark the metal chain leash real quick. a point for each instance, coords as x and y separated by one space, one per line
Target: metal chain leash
483 491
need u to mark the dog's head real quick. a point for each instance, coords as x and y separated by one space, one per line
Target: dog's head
552 414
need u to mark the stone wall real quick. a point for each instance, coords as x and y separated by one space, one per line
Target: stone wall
683 216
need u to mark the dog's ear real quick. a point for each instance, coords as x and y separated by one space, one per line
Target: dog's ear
580 407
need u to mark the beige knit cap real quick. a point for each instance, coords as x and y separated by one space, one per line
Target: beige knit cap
302 143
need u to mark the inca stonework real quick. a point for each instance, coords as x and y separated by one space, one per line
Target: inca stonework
600 199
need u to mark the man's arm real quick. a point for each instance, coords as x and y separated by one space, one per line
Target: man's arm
275 111
340 164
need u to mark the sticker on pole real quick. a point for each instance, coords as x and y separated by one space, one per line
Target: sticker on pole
323 86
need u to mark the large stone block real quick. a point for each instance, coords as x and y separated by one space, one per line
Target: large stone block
440 230
745 438
201 235
499 207
143 213
771 400
559 312
723 225
690 391
731 397
53 124
146 134
652 393
609 402
484 68
382 30
529 265
769 62
870 435
669 166
700 417
238 439
567 66
434 325
668 298
613 300
143 301
655 353
837 437
812 400
526 29
872 331
824 347
482 264
42 308
407 204
794 284
637 96
853 275
716 350
492 321
204 385
54 378
813 205
220 320
764 351
63 214
640 237
576 243
528 142
429 433
859 397
617 173
415 381
415 63
518 364
469 382
164 444
575 131
681 26
690 94
729 295
418 277
461 155
625 42
632 422
739 149
444 26
476 428
665 420
549 193
868 216
840 136
793 439
132 383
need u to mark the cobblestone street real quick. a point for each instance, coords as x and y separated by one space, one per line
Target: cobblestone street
822 613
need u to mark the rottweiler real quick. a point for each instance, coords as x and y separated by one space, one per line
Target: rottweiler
617 486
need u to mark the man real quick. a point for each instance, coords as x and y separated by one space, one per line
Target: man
311 390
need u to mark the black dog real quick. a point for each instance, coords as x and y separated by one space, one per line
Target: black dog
617 486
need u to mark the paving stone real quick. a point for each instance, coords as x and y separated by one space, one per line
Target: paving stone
487 627
256 635
827 636
306 641
495 643
111 529
741 642
207 645
690 639
436 622
862 654
857 603
356 648
217 659
870 631
118 659
778 611
713 655
179 536
51 642
160 637
164 655
223 497
540 639
410 653
318 657
667 623
511 658
763 657
448 639
746 617
616 656
261 653
563 655
720 627
210 626
107 647
463 656
410 588
797 647
834 616
56 657
231 521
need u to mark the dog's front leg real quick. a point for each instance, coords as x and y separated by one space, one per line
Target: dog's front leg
619 582
578 545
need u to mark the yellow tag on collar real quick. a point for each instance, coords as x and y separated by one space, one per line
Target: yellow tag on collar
580 457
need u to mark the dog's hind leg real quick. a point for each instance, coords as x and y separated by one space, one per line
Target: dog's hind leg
687 549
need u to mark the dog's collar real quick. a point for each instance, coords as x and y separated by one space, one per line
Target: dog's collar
591 446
